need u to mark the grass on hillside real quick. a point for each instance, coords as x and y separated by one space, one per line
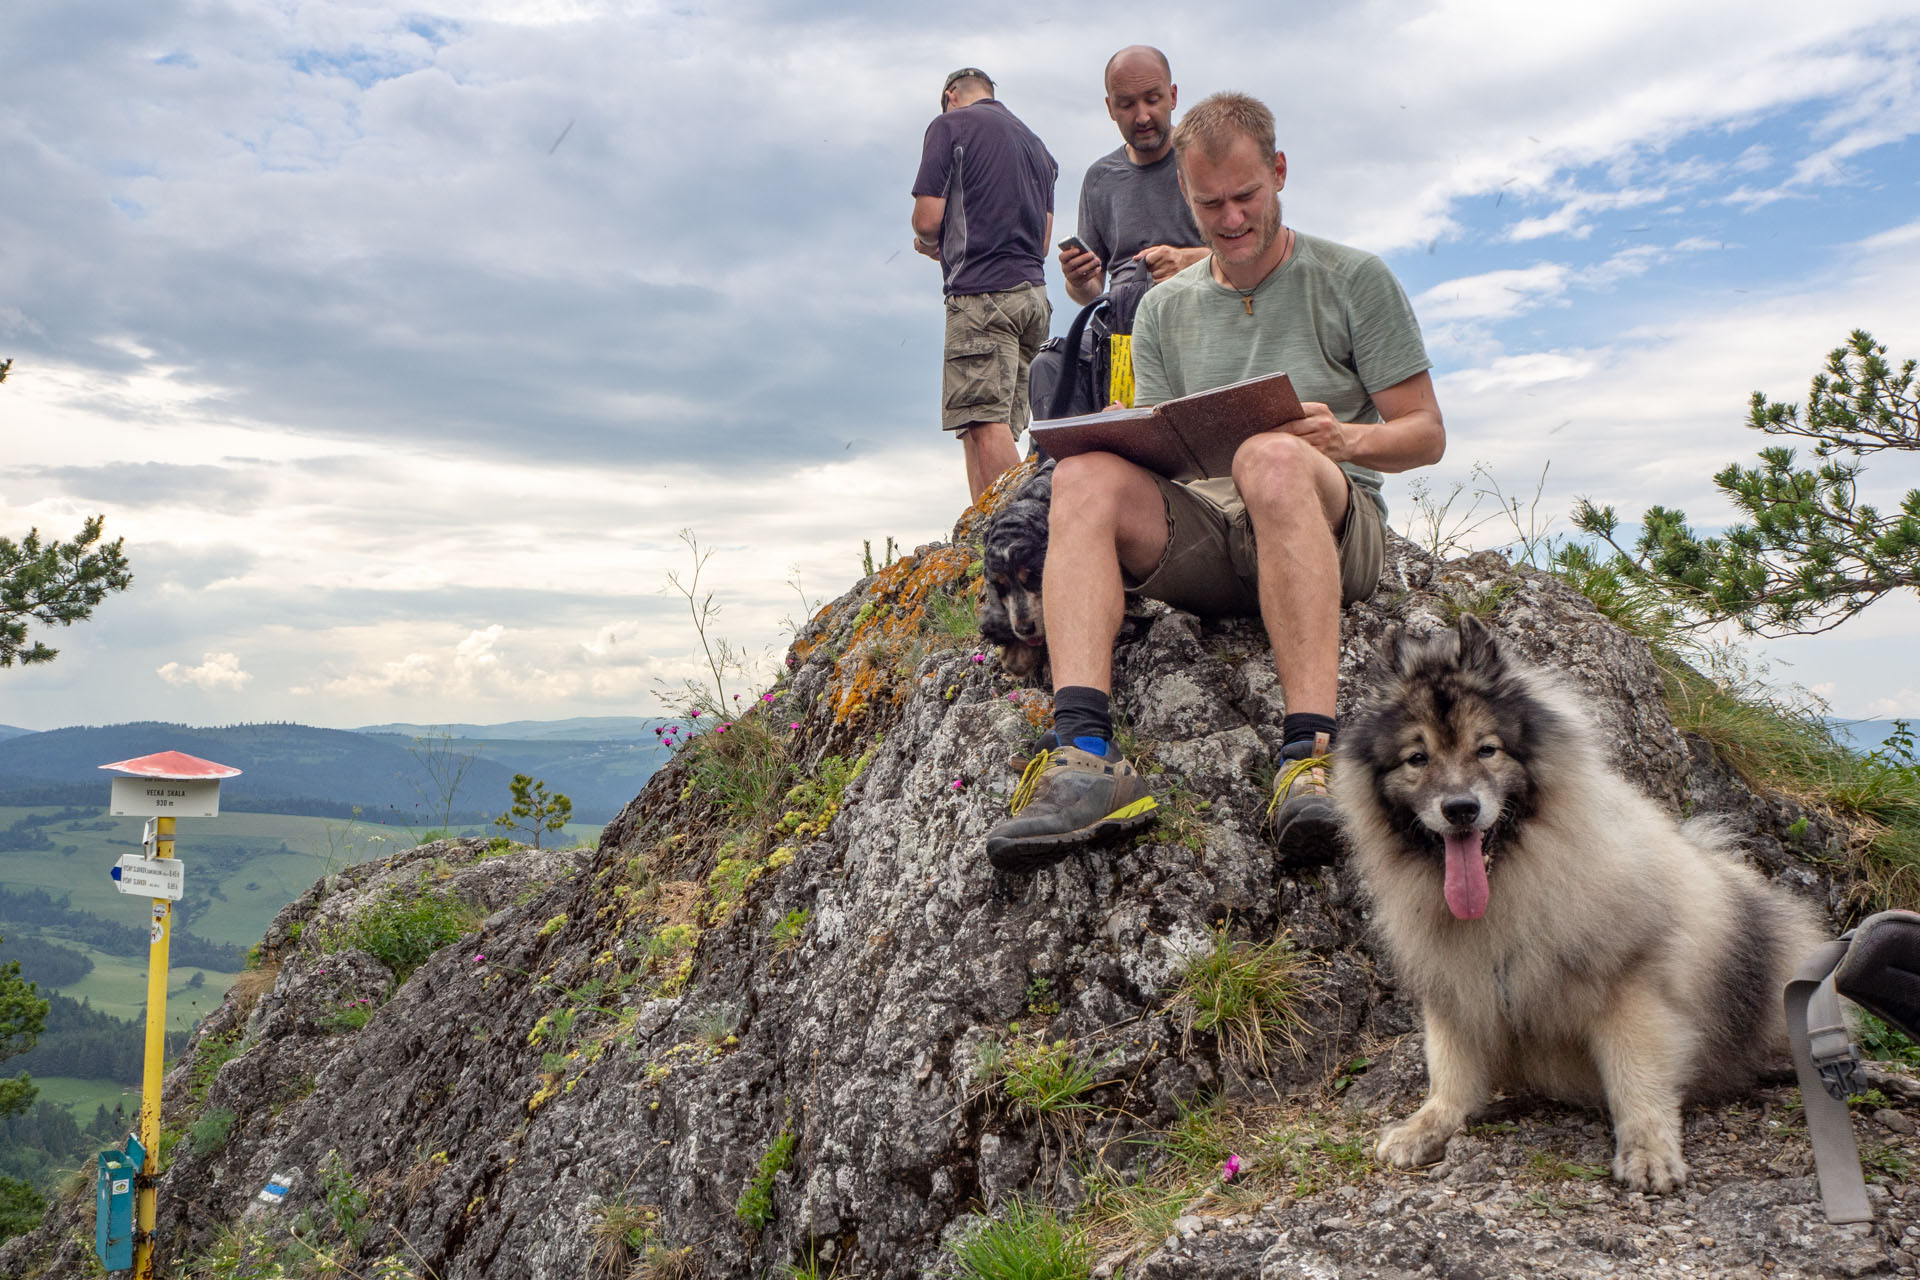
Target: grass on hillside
83 1097
1791 750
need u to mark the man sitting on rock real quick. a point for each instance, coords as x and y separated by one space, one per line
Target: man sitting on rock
1296 532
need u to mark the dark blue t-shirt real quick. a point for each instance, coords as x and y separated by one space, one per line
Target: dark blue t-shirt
997 179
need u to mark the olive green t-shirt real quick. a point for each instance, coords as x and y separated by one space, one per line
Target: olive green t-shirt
1332 318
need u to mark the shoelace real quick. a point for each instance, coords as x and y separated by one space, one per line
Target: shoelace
1289 774
1031 778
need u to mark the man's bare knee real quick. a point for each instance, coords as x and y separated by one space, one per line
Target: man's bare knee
1273 462
1089 489
1280 478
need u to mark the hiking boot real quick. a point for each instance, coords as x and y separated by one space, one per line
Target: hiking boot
1068 798
1301 815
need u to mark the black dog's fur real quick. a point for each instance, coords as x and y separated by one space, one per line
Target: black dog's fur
1016 556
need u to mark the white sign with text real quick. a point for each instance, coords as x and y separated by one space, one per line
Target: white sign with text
152 878
169 797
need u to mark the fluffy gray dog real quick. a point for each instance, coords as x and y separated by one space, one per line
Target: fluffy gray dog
1562 933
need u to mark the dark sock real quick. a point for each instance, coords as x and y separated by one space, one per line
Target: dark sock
1300 726
1082 715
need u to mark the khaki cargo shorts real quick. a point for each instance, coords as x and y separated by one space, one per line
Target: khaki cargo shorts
991 339
1211 566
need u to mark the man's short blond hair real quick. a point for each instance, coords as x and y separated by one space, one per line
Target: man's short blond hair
1217 121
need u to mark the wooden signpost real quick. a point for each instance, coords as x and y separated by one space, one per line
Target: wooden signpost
168 785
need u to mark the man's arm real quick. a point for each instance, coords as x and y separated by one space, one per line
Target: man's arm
929 212
1410 436
1165 260
1086 278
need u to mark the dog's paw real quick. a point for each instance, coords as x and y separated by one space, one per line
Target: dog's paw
1654 1166
1419 1139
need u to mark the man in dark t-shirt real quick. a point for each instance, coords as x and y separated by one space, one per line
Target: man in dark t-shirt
983 208
1132 215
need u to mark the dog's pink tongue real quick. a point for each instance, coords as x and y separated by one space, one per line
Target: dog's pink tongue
1466 877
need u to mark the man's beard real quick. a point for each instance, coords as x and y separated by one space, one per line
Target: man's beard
1263 238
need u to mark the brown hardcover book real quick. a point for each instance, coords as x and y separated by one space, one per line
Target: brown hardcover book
1192 438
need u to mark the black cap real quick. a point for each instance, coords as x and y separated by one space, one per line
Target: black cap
962 74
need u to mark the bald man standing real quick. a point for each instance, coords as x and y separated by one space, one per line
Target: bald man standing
1132 215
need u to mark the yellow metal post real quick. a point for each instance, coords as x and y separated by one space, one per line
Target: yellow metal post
162 938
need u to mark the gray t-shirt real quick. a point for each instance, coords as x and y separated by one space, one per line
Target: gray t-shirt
1124 207
1332 318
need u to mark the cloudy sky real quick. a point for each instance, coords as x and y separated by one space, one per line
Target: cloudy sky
400 342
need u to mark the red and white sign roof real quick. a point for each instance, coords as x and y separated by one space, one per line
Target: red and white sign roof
176 765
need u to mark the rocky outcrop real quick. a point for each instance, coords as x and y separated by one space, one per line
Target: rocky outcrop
786 1014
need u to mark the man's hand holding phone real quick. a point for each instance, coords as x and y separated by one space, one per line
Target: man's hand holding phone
1080 265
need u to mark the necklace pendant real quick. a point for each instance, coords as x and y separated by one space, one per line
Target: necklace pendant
1248 299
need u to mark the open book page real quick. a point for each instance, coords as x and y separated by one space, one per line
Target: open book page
1191 438
1141 436
1215 423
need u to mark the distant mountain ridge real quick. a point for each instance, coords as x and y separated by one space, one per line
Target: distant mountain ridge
295 768
574 729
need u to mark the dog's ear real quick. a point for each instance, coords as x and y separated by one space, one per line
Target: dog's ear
1388 654
1478 648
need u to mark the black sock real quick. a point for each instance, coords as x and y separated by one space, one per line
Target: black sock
1300 726
1082 712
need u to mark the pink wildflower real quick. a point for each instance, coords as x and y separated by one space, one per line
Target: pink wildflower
478 958
766 697
696 715
794 725
1231 1169
958 785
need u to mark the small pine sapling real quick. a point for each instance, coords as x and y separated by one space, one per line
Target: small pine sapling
534 810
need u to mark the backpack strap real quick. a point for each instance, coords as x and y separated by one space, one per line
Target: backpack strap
1063 390
1829 1070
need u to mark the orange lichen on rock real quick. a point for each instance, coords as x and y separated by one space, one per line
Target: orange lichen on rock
893 615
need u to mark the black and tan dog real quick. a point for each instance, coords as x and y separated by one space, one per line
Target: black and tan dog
1016 557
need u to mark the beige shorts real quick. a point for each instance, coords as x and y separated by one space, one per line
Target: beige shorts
991 339
1211 565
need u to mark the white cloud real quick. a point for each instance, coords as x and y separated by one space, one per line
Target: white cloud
1904 705
1494 295
1570 219
216 671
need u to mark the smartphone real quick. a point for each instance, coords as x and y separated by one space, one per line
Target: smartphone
1076 244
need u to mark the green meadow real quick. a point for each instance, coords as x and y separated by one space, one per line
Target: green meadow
241 868
84 1097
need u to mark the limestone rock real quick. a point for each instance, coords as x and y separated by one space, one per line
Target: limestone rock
773 1041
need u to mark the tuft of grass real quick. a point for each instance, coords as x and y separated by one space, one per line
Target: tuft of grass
210 1132
351 1016
1202 1137
787 931
213 1053
953 616
755 1206
1248 994
1041 1077
1029 1243
401 930
622 1235
743 771
717 1027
